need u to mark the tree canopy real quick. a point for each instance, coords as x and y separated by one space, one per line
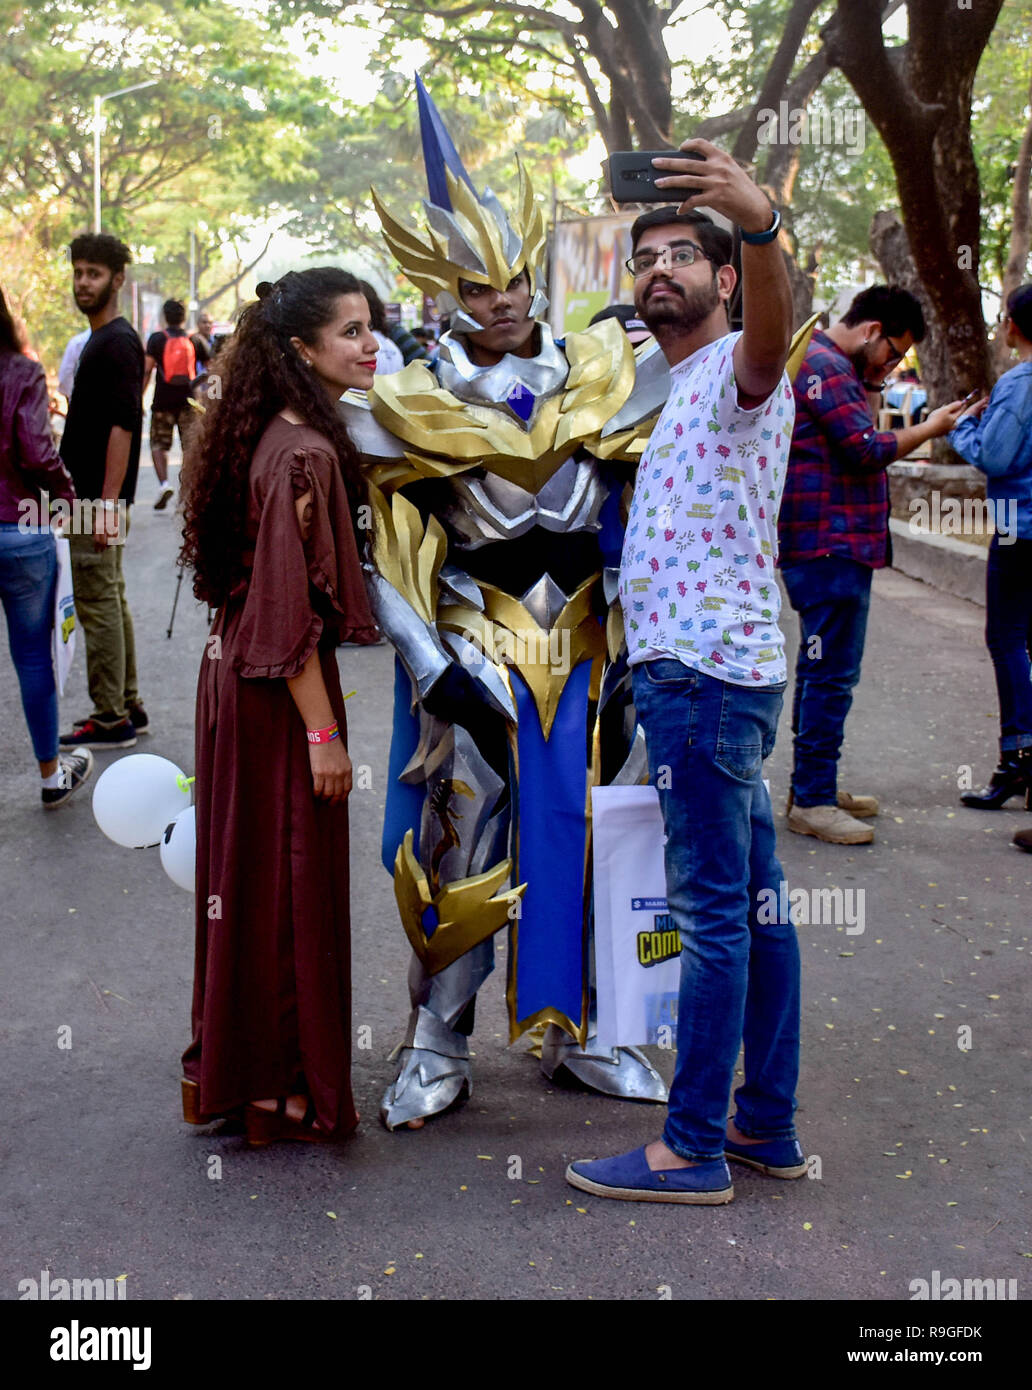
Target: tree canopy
916 142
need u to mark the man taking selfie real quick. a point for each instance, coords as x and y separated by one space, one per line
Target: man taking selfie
701 612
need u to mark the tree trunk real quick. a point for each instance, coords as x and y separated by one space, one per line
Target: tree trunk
919 97
803 279
780 166
634 60
775 80
891 249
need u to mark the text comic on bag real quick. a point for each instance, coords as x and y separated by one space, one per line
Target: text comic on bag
637 947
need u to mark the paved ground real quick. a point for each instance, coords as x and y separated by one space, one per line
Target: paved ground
923 1148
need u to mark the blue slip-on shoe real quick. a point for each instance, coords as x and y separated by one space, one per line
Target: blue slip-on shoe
629 1178
778 1158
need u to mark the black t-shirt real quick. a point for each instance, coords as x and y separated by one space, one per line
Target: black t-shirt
108 391
203 350
167 397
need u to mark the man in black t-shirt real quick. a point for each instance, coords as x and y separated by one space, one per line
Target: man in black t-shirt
101 450
172 354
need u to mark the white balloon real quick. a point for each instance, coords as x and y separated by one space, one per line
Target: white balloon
136 797
178 849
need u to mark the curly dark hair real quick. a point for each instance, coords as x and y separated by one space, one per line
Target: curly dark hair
260 374
100 249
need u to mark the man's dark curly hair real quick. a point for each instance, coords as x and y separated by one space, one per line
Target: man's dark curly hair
100 249
259 374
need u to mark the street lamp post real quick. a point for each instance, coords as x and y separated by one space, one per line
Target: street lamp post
97 104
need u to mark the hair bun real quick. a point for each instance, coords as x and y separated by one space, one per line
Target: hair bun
264 289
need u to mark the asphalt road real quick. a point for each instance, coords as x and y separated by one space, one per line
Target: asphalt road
923 1147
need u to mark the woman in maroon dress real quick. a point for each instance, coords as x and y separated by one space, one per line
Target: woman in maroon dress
272 496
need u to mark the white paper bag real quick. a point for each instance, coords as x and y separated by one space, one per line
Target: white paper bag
64 615
637 946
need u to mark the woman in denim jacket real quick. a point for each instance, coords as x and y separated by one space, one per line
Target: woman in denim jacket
29 468
996 436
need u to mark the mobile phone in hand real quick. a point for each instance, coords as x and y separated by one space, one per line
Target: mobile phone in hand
972 396
632 176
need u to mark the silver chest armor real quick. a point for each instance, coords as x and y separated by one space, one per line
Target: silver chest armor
488 508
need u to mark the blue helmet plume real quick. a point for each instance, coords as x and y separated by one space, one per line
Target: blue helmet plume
439 152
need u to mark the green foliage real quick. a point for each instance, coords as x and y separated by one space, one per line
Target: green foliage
379 146
226 128
240 137
999 113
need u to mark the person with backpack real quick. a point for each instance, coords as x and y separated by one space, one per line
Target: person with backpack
173 356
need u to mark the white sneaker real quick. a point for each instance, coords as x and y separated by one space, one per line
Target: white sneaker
829 823
167 493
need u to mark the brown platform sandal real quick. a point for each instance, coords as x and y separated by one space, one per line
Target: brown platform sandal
192 1103
266 1126
192 1113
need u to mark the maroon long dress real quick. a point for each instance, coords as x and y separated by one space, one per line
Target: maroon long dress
272 983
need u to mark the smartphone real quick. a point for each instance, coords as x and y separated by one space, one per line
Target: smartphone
972 396
632 176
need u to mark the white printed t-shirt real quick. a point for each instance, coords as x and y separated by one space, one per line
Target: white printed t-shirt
697 573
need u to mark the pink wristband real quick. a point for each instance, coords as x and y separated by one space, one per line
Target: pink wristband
323 735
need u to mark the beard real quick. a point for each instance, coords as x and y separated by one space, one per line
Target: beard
681 311
100 302
861 360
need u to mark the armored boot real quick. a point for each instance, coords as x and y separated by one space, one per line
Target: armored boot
623 1072
433 1060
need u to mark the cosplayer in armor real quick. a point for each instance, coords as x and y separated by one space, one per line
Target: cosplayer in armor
498 483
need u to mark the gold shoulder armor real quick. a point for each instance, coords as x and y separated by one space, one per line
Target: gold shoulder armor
601 377
449 436
800 342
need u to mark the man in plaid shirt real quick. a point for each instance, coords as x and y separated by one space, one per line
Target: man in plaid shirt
833 532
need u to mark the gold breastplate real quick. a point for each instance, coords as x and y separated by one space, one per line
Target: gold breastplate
446 435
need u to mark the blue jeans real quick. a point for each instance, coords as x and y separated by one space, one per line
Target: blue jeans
831 596
28 576
1008 635
706 741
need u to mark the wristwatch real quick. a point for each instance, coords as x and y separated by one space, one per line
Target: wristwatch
763 238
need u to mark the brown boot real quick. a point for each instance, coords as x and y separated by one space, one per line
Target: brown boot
1023 840
859 806
829 823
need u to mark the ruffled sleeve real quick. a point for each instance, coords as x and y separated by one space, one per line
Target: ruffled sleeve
302 580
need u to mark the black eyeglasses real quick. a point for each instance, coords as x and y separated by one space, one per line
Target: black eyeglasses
898 354
682 253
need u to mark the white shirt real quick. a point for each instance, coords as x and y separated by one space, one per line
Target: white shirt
697 574
70 361
389 358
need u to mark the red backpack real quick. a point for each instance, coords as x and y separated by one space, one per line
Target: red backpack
179 360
